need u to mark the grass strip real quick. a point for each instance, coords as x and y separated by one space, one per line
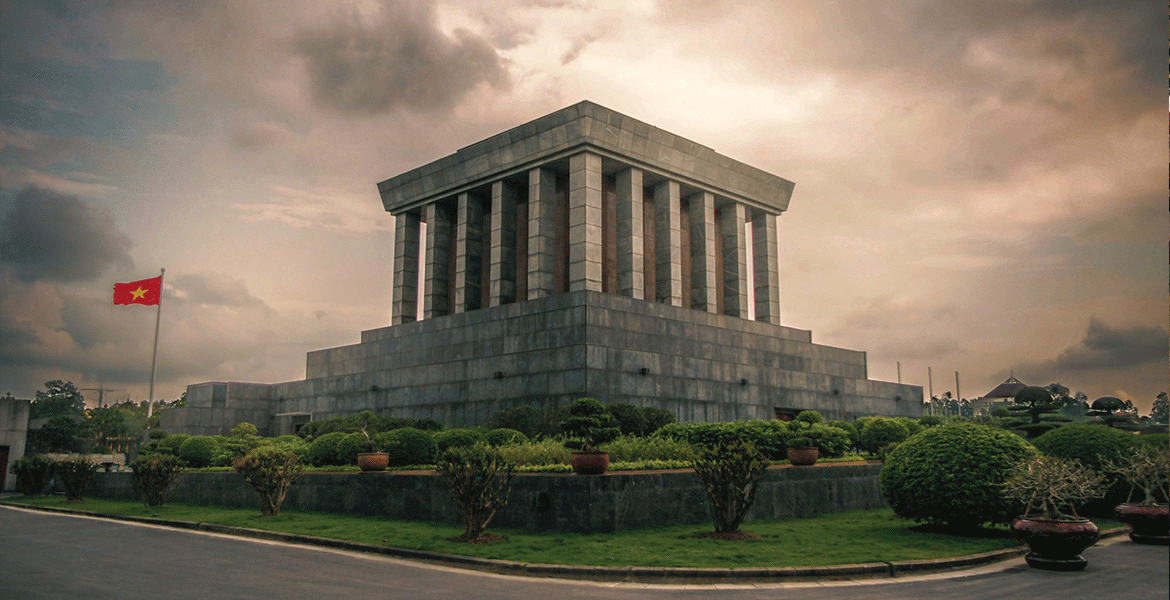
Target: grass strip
845 538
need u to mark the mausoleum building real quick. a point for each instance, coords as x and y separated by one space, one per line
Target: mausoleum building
585 253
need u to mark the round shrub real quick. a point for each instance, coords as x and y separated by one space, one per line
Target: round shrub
847 427
351 445
170 444
953 475
656 418
879 432
912 425
197 450
809 416
457 438
630 418
292 443
831 442
1093 446
408 446
504 437
929 421
324 450
157 434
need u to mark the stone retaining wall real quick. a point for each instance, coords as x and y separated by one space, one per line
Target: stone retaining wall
539 502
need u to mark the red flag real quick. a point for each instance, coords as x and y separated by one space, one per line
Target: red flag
145 291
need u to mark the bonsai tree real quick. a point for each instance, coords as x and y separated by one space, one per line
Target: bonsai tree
1147 468
1036 412
589 424
32 473
480 480
1047 484
271 471
729 473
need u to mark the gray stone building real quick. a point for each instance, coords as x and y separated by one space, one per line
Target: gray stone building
13 436
585 253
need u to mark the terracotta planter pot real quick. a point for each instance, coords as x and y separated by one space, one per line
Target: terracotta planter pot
1056 545
1151 524
803 456
590 463
373 461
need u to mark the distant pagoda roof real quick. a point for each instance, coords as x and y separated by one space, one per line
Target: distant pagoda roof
1007 389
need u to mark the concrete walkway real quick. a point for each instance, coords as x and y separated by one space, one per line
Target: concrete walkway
45 555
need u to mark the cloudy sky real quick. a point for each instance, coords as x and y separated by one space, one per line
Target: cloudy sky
978 185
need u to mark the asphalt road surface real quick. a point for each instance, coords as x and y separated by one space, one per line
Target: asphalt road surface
60 557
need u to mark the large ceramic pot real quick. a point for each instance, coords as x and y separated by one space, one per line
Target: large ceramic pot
1150 523
373 461
1056 545
803 456
590 463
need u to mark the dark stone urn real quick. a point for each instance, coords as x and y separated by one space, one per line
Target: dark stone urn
1056 545
1150 522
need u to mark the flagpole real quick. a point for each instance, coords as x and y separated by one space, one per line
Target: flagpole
154 357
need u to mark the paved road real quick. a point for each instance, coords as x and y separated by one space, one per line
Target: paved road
60 557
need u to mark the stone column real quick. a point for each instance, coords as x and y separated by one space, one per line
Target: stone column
703 290
766 256
631 274
502 270
542 226
435 284
668 243
735 281
585 222
468 252
404 307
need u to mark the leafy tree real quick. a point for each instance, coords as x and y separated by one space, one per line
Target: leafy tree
58 398
62 433
108 426
480 480
74 475
1160 411
272 471
729 474
155 476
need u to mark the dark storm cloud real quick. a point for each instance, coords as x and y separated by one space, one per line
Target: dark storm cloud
50 236
403 60
1106 347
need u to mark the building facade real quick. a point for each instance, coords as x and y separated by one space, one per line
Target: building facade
585 253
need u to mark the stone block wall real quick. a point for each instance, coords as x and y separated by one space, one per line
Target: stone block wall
539 502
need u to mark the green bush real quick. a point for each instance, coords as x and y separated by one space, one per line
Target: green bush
457 438
629 448
848 428
729 475
809 417
408 446
351 445
171 443
768 436
656 418
74 474
271 471
953 475
912 425
32 473
324 451
929 421
630 418
157 434
831 442
155 476
532 422
197 450
291 443
879 432
480 479
549 451
1093 446
504 437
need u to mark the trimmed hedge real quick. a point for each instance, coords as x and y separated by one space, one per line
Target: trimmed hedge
324 451
504 437
457 438
1093 446
953 475
408 446
197 450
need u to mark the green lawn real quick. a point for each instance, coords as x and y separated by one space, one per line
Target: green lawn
847 538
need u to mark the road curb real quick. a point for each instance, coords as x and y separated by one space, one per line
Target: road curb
590 572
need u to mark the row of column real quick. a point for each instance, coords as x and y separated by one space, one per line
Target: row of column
453 283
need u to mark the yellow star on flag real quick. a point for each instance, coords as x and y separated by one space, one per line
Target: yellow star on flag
138 293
